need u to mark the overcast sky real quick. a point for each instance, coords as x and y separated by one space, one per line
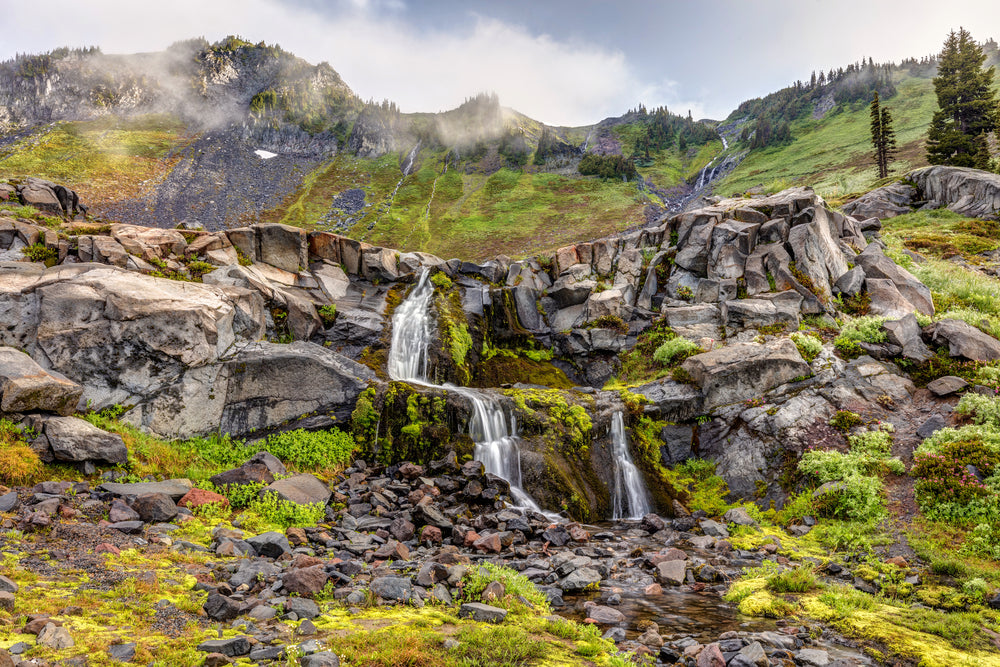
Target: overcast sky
565 62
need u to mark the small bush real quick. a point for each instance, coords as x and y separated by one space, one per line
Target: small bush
19 463
797 580
845 420
810 346
442 281
860 330
675 350
269 511
40 253
312 449
517 586
328 314
612 322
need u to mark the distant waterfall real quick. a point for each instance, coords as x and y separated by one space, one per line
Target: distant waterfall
630 498
495 438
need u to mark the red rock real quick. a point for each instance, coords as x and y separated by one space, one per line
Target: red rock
198 497
653 589
470 538
106 548
488 543
493 591
674 554
305 581
392 550
711 656
430 534
898 561
578 533
411 470
303 560
296 536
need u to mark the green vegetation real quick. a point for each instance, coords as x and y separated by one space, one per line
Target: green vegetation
657 353
809 344
40 253
865 329
19 463
883 136
328 314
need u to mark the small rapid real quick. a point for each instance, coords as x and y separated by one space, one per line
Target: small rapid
630 497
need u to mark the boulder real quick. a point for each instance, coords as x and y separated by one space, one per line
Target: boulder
671 572
970 192
155 507
73 439
877 265
282 246
963 340
175 488
27 387
301 489
905 333
885 202
945 386
744 370
851 283
886 300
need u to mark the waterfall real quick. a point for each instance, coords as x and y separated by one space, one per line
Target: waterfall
411 334
495 438
631 498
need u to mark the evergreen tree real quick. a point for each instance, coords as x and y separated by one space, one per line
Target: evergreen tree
883 136
968 106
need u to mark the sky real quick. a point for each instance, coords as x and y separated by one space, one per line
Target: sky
564 62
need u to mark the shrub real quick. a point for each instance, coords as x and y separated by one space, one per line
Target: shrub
517 587
612 322
860 330
312 449
946 487
269 511
198 268
845 420
40 253
675 350
18 462
809 345
442 281
797 580
328 314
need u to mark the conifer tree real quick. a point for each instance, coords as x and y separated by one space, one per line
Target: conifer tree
968 106
883 136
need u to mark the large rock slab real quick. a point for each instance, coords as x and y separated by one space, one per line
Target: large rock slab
966 191
27 387
963 340
743 370
877 266
885 202
75 440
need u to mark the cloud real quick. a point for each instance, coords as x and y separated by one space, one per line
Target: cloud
378 52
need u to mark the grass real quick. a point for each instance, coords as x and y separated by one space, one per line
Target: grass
834 154
107 159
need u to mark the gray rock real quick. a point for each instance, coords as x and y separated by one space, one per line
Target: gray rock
122 652
306 580
970 192
128 527
672 401
947 385
885 202
851 283
392 588
73 439
301 489
221 608
742 370
753 654
7 585
933 424
877 265
155 507
812 657
963 340
739 516
905 333
271 544
321 659
713 528
671 572
27 387
302 607
482 612
175 488
580 579
232 647
8 501
605 615
55 637
886 299
249 572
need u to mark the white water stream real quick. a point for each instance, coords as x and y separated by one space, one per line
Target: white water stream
630 498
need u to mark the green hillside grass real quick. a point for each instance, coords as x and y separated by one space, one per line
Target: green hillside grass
833 154
108 159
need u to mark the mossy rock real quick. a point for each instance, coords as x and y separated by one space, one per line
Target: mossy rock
504 369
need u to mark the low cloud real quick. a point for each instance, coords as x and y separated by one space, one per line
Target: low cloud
377 52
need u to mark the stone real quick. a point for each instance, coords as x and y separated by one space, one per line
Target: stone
271 544
650 638
175 488
963 340
392 588
320 659
305 581
73 439
155 507
877 265
713 528
753 654
711 656
216 660
947 385
232 647
969 192
886 299
483 613
905 333
885 202
7 601
301 489
671 572
199 497
302 607
580 579
8 501
402 529
27 387
812 657
282 246
221 608
605 615
55 637
743 370
262 467
122 652
851 283
933 424
739 516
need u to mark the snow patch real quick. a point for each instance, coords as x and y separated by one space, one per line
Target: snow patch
265 155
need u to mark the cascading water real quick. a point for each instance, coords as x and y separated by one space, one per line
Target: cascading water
495 439
630 498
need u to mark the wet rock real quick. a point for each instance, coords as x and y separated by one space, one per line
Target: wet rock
812 657
482 612
232 647
711 656
605 615
753 655
671 572
580 579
